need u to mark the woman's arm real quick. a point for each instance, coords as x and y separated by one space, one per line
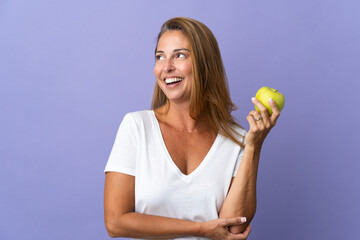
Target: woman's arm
122 221
241 198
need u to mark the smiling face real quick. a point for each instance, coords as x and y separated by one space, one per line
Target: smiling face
173 67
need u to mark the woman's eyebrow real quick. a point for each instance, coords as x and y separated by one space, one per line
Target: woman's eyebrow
181 49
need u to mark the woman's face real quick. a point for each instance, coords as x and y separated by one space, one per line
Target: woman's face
173 67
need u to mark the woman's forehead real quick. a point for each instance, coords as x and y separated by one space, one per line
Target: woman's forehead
171 40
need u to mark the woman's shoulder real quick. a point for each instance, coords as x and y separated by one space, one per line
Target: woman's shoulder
138 117
140 114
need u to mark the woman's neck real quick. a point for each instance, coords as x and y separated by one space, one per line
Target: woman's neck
178 117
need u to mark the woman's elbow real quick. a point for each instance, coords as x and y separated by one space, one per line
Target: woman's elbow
114 229
236 229
110 228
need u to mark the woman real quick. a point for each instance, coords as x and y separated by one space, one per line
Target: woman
182 169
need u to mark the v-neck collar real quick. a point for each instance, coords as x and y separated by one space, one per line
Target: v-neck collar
171 162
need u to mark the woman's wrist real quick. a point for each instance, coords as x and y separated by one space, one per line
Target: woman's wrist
253 147
205 229
201 229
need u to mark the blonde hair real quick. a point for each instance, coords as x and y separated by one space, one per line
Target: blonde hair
210 99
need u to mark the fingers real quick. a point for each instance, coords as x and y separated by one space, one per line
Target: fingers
234 221
263 110
256 115
269 121
254 124
247 231
241 236
276 112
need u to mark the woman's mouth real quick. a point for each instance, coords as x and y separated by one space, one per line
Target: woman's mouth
172 81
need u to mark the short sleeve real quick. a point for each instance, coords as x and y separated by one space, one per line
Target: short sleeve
124 151
239 157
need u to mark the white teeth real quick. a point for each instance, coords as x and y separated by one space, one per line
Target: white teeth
171 80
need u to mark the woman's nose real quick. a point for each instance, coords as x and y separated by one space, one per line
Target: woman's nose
169 66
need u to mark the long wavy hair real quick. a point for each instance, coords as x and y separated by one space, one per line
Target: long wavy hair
210 99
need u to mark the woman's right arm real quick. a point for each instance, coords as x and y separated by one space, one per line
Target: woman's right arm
122 221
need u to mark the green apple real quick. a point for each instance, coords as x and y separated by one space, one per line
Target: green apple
265 93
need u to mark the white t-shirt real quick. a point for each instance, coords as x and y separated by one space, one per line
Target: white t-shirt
160 187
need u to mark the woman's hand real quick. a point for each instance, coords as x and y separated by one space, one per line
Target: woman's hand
219 229
260 125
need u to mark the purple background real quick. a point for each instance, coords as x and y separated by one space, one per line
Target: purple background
70 70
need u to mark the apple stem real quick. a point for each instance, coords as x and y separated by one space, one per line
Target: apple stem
276 90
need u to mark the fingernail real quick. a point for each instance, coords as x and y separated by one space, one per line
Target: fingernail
271 100
243 219
253 99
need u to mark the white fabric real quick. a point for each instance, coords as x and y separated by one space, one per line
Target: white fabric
160 187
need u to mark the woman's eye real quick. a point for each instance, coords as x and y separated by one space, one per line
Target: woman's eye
159 57
181 55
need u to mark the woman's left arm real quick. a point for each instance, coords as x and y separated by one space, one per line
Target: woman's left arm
241 198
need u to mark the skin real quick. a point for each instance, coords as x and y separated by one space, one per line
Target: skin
243 186
173 59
